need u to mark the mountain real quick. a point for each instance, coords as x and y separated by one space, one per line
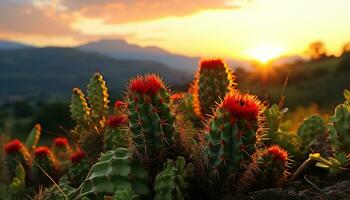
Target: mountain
52 71
6 45
121 49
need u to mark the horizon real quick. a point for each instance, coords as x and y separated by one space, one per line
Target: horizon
246 30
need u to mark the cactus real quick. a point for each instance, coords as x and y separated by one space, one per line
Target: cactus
269 168
114 170
61 149
171 183
45 166
339 131
233 133
116 133
79 167
64 192
33 138
90 118
16 153
312 131
80 112
212 81
150 119
98 100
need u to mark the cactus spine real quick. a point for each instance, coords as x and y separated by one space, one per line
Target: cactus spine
115 170
150 119
171 183
212 81
16 153
232 134
44 162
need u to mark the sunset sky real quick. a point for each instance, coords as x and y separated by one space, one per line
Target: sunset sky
227 28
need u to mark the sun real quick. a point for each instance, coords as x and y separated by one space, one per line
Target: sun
265 53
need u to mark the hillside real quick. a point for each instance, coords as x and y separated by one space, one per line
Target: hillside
318 82
48 72
120 49
6 45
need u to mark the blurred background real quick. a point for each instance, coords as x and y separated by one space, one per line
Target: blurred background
292 52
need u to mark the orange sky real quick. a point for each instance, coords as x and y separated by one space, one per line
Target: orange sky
236 28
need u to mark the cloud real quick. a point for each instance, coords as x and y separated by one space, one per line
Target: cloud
56 18
24 18
124 11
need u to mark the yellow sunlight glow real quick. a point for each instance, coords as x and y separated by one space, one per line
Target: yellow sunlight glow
265 53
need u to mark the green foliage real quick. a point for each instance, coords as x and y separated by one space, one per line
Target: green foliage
311 129
18 184
339 131
33 138
62 191
125 194
115 170
278 130
171 183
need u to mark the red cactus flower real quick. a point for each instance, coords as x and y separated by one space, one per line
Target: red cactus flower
42 151
118 104
150 84
116 120
211 64
77 156
278 153
60 141
242 106
13 146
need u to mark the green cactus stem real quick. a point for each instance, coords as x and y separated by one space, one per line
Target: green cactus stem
79 168
171 183
115 170
212 81
45 166
339 131
232 134
16 153
116 134
269 168
151 120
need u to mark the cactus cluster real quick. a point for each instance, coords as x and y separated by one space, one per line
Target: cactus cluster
153 144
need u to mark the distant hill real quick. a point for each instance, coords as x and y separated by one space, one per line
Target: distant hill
48 72
121 49
7 45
